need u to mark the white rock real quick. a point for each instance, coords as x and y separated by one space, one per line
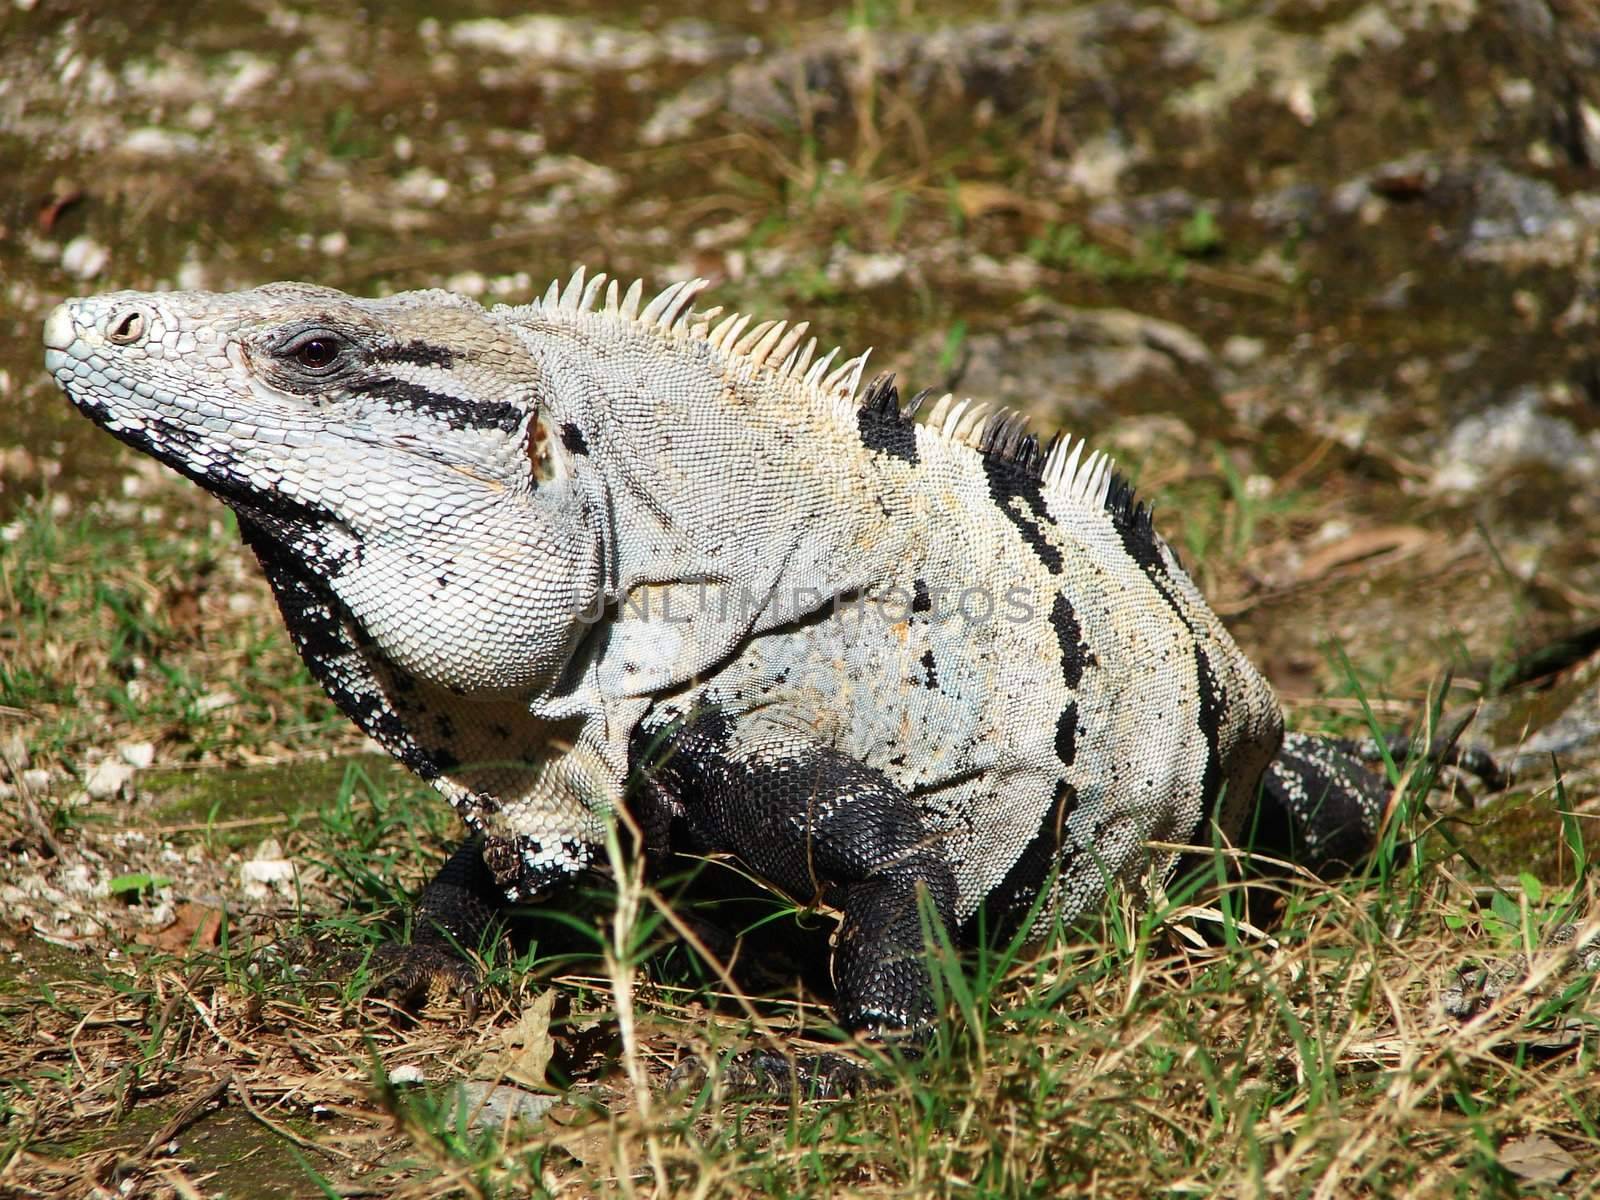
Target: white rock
1099 163
422 186
493 1106
874 270
106 779
1589 127
1516 433
213 701
84 258
1241 351
262 878
407 1074
151 142
559 41
138 755
14 751
246 73
78 880
467 283
192 275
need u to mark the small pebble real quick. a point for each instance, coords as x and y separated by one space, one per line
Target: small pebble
84 258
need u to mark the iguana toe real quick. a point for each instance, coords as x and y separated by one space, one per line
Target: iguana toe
415 976
763 1074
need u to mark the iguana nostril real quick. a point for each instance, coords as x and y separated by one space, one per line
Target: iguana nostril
127 326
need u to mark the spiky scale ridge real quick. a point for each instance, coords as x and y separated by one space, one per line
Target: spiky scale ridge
1006 438
1125 506
1003 434
882 397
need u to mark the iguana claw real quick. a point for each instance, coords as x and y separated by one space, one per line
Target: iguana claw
763 1074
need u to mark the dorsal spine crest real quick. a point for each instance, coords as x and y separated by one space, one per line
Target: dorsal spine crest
1002 434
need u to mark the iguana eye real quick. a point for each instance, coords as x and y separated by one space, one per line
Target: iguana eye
318 351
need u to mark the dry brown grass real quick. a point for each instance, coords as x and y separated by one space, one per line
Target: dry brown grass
1133 1059
1317 1062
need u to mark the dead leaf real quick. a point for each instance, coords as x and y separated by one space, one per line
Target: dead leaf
1402 181
525 1049
1385 541
580 1134
977 198
1537 1159
196 926
62 196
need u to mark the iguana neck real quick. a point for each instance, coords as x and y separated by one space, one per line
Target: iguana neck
670 428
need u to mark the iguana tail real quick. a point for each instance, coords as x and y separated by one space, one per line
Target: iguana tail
1321 807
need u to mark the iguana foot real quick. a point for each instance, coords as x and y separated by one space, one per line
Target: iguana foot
1476 986
456 913
764 1074
409 975
414 976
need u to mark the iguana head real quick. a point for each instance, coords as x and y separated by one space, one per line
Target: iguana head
392 448
241 391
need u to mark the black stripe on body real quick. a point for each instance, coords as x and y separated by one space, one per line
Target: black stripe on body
1009 483
1133 523
1009 901
1136 529
1067 734
1213 703
1075 652
1134 526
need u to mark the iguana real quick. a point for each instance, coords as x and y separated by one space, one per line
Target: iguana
540 552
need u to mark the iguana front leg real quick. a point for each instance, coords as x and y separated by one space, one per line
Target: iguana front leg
458 911
823 827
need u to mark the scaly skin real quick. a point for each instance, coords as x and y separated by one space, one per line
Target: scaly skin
884 662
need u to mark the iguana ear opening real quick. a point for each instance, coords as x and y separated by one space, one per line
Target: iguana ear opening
546 461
